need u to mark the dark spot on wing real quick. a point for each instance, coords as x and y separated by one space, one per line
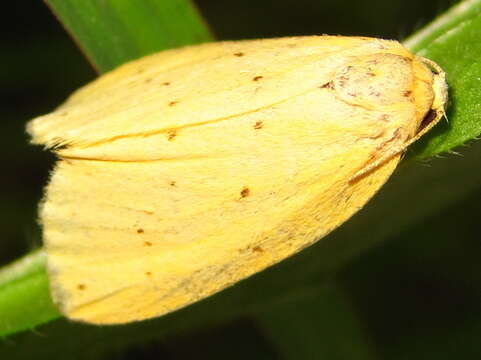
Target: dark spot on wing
172 183
245 192
328 85
257 78
239 54
407 93
172 103
171 135
147 243
148 273
166 83
81 286
257 249
140 231
258 125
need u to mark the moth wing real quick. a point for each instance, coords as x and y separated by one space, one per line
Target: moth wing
198 84
156 205
129 240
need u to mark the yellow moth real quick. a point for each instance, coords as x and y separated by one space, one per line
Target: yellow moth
186 171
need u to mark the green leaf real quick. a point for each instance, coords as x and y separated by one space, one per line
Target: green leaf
453 41
24 297
111 32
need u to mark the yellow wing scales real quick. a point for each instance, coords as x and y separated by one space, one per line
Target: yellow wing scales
153 206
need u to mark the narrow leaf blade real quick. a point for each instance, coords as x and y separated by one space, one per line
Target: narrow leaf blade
111 32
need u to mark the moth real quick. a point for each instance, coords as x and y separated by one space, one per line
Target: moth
186 171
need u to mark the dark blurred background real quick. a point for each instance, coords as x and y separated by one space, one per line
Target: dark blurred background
437 279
